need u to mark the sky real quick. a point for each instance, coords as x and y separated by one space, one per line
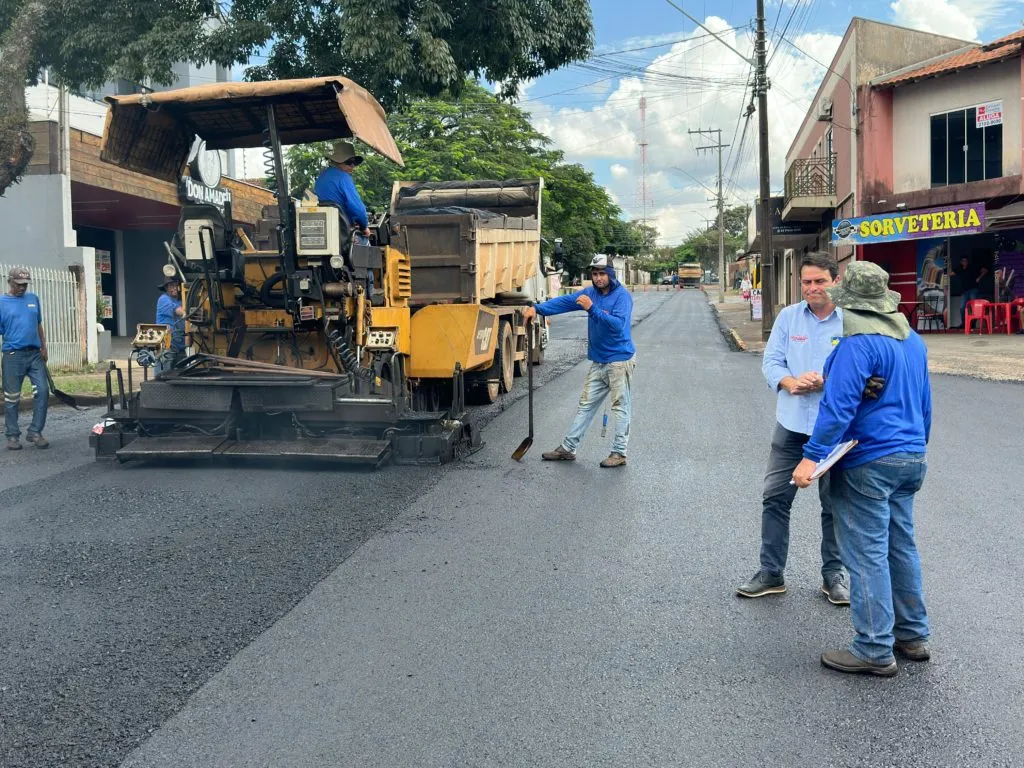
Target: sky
691 81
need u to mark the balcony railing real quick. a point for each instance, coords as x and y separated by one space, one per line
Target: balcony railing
812 177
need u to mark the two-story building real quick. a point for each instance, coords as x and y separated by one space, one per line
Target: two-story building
911 157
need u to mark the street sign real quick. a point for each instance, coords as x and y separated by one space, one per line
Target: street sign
755 304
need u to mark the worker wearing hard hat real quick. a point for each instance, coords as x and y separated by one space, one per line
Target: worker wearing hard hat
335 185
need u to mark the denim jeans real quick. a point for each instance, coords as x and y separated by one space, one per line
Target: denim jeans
874 506
969 295
16 366
787 451
603 378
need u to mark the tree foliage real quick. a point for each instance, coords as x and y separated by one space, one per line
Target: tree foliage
701 245
397 49
477 136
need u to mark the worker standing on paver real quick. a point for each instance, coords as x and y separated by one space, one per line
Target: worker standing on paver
802 338
609 307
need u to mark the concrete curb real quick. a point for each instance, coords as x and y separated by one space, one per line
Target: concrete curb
82 400
736 344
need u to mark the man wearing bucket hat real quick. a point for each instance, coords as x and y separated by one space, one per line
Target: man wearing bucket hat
335 185
170 312
24 354
609 307
874 484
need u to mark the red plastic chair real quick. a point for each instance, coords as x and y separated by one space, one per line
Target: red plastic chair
1016 306
977 309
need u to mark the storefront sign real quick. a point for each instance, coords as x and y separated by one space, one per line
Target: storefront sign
755 305
989 114
910 225
193 191
103 263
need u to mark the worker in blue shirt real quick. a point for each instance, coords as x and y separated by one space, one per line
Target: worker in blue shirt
873 485
170 312
24 354
802 338
609 308
335 185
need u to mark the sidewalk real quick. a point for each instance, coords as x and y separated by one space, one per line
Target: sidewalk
992 357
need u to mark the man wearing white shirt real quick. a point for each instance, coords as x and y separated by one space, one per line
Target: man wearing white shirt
802 338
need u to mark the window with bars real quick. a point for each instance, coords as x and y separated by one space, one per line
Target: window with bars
961 151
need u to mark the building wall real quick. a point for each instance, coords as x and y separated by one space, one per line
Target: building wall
144 256
32 218
913 105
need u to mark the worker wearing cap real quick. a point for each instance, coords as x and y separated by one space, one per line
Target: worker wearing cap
169 312
609 307
24 354
335 185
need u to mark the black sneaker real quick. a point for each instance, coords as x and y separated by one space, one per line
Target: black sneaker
915 650
836 587
761 584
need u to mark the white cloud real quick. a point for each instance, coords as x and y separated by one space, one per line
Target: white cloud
963 19
694 84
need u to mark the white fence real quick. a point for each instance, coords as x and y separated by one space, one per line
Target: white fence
57 290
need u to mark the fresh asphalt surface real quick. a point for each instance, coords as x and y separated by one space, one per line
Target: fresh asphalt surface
498 614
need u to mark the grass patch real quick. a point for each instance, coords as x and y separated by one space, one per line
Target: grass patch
74 384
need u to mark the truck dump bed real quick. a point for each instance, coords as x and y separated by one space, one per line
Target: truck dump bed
469 242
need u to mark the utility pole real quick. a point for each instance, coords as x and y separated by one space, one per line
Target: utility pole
717 134
767 255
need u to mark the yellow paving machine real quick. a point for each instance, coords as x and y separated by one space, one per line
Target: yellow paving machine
303 343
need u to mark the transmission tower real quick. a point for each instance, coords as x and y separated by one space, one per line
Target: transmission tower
643 195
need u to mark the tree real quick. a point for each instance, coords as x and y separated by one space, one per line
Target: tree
400 48
397 49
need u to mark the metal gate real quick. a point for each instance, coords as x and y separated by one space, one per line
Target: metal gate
57 290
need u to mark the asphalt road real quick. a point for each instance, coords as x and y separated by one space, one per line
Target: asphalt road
500 614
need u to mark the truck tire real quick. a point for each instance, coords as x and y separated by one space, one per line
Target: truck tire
504 356
484 387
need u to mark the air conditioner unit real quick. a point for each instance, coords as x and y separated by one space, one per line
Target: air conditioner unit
825 109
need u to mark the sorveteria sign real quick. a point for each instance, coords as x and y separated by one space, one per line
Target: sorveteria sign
953 221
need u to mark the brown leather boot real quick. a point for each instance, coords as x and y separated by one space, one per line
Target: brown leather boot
614 460
559 454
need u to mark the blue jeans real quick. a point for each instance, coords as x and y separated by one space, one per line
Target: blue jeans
777 501
874 505
603 378
16 366
969 295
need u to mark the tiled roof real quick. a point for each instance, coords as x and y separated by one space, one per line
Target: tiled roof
966 58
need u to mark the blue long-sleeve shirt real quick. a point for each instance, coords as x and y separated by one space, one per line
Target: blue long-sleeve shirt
167 314
336 186
609 337
899 421
20 318
800 342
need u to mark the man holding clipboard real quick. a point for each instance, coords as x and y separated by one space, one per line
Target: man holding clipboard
874 481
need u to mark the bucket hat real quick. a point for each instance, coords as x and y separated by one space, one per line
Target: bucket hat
865 287
342 152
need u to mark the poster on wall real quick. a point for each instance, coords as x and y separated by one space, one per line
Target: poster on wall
108 307
933 284
988 114
103 263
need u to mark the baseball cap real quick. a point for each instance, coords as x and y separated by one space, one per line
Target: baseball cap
19 275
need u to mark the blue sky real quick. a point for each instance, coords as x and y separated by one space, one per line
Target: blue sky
592 111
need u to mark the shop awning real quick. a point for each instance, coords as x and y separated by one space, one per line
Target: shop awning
1008 217
153 133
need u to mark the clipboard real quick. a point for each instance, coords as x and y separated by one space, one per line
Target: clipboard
829 461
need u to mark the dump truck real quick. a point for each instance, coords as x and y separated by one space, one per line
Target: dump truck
303 343
690 275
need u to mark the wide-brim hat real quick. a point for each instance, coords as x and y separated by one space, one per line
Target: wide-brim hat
865 287
343 152
169 281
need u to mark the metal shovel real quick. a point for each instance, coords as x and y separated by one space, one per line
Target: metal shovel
64 397
524 446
